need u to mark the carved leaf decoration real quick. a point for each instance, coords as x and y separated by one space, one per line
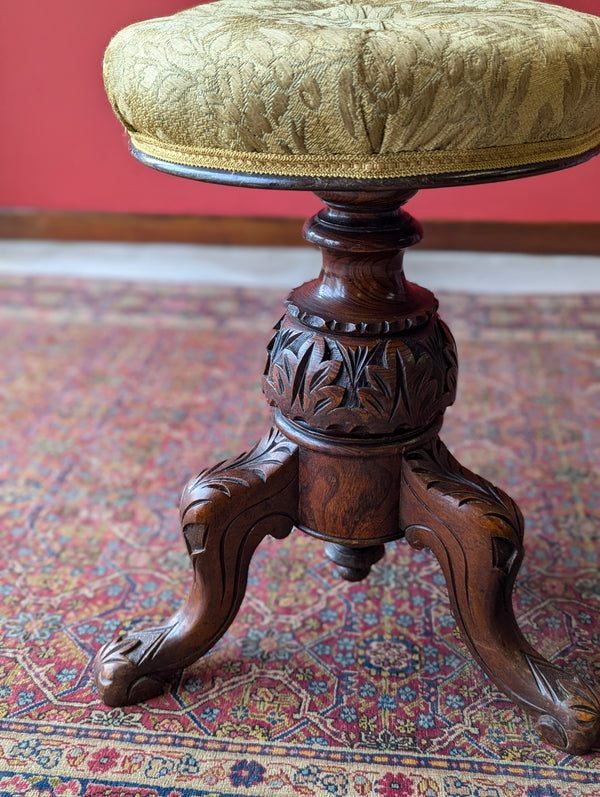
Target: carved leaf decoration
326 399
236 470
319 378
425 386
444 473
303 374
280 388
322 405
385 385
299 382
355 372
221 485
381 383
442 343
577 695
282 340
372 399
120 650
401 393
151 642
139 648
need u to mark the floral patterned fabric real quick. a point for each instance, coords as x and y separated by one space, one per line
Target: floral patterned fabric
112 396
351 89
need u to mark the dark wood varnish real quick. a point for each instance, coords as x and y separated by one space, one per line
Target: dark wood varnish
476 532
353 564
359 373
225 513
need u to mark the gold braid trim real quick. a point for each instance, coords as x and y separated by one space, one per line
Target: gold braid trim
365 167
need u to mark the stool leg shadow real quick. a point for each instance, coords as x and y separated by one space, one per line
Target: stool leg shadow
476 532
225 513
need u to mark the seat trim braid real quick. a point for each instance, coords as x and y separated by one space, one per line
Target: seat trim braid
295 183
366 167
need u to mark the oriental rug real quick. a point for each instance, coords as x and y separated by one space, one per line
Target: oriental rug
112 396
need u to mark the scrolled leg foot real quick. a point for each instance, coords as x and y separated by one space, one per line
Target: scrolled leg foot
225 513
475 530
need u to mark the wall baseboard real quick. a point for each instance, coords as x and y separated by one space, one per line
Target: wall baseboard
575 238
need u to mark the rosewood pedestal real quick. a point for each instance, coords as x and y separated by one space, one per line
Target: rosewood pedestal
359 373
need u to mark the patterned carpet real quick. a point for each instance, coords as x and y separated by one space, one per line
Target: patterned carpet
112 396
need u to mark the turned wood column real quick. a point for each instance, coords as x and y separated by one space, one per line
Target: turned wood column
360 369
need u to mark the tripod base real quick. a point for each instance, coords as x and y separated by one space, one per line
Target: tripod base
359 373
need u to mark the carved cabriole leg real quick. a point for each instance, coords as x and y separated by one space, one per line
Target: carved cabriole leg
226 512
475 530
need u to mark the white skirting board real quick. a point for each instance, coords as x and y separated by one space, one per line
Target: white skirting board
285 268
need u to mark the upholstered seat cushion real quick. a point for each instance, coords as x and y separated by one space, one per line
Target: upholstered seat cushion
337 88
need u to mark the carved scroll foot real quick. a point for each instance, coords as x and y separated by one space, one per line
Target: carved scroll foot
475 530
225 513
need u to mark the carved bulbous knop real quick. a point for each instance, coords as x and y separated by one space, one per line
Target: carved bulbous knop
361 385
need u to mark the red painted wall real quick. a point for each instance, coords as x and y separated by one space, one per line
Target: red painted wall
61 147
